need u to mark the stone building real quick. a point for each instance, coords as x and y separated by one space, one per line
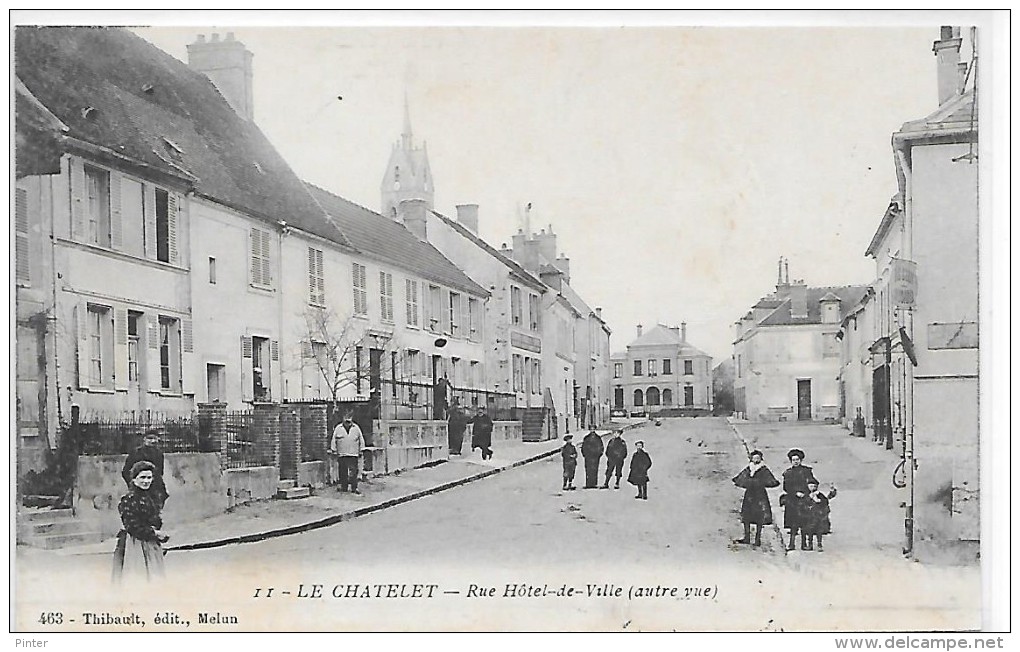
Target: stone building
662 373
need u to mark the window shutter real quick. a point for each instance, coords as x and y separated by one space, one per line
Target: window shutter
152 356
149 209
116 223
311 276
306 349
189 370
21 256
171 219
274 350
82 341
465 316
120 349
78 196
407 301
256 250
444 313
267 270
320 277
247 392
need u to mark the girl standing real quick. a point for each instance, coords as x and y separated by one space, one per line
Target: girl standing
755 508
139 552
640 462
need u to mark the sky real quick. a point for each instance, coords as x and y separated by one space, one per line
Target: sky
676 164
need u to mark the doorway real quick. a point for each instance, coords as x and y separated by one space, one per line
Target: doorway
803 400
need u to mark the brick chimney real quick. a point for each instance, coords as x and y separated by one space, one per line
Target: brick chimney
563 264
683 331
639 329
547 244
598 313
798 299
414 215
467 214
947 52
227 64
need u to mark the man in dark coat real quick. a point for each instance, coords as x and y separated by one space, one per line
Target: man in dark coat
616 454
795 491
439 397
569 454
481 433
592 449
640 462
149 452
457 425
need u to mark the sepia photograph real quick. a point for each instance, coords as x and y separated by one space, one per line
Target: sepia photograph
592 321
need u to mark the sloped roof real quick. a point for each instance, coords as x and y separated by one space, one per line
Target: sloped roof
894 210
516 270
661 335
849 296
145 103
384 239
959 113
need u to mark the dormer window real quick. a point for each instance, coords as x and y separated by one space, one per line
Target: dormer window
172 148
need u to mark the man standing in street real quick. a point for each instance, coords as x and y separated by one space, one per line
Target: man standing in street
149 452
481 433
347 444
439 392
592 449
616 454
457 425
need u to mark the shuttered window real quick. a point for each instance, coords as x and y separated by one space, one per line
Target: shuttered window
97 188
261 262
386 296
21 256
360 277
316 278
411 301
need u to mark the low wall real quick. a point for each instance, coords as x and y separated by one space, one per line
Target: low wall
508 431
250 484
312 474
193 480
401 445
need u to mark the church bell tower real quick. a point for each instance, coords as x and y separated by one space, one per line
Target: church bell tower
407 174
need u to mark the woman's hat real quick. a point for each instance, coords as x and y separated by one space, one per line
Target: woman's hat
795 452
142 465
756 452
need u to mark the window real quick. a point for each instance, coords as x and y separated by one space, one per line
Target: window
667 396
474 319
454 377
536 377
215 379
689 395
260 368
97 184
170 354
475 374
132 216
515 306
360 289
21 235
132 330
651 368
411 301
212 271
639 398
527 375
316 278
413 366
533 311
618 398
738 366
100 345
688 367
455 326
435 308
653 396
517 362
261 264
637 368
163 217
617 369
667 367
386 296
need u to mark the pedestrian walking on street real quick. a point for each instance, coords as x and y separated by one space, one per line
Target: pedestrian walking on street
755 509
457 426
439 393
347 444
640 462
481 433
616 455
149 451
569 454
816 522
592 449
795 490
139 551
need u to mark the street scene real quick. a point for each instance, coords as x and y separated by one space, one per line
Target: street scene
339 328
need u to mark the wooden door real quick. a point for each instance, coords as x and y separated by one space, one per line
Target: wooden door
803 400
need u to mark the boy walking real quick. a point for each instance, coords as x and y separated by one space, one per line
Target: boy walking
569 454
640 462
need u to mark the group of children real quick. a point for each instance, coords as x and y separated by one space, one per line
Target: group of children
616 453
806 508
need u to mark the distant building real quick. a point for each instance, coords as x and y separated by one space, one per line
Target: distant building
661 372
786 353
722 388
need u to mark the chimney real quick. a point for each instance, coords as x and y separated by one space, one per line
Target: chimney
467 214
683 331
598 313
228 65
563 264
961 69
639 330
798 299
547 244
414 214
947 52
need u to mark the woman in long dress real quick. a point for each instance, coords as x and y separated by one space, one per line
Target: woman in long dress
795 490
755 509
139 553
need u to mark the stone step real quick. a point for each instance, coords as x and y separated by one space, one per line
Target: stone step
286 484
56 541
45 515
294 492
63 526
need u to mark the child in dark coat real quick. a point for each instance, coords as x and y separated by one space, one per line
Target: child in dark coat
816 514
569 454
640 462
755 508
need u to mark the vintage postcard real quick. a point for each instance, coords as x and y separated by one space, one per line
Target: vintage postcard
599 322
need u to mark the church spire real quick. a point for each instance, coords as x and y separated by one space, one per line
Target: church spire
406 136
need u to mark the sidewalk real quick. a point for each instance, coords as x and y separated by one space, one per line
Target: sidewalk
327 506
866 513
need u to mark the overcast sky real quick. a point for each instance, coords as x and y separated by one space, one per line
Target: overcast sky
676 164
